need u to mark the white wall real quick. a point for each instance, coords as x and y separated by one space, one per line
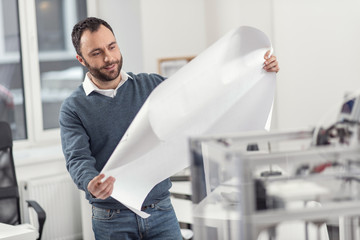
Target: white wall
171 28
317 43
224 15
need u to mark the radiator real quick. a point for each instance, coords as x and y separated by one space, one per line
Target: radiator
60 199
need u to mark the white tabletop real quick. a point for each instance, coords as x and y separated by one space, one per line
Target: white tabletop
19 232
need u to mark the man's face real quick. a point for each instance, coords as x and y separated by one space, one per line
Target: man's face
101 54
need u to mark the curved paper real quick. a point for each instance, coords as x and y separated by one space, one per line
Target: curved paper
224 89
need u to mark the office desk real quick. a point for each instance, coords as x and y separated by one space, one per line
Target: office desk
19 232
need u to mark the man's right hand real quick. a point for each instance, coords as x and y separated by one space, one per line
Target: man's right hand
101 189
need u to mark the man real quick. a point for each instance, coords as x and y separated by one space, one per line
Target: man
92 122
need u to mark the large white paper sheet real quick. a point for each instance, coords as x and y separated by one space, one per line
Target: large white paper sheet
223 90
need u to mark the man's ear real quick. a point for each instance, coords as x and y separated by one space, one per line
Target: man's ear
80 59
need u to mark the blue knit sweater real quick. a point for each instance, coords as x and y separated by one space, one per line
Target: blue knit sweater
92 126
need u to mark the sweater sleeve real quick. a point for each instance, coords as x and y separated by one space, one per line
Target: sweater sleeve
76 148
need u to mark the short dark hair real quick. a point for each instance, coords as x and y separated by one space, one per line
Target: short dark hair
92 24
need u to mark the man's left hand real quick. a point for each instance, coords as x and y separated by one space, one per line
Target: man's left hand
271 64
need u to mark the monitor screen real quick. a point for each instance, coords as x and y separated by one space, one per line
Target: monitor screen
348 106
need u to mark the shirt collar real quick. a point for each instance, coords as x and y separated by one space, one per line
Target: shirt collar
90 87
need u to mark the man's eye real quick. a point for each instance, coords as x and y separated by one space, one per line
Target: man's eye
95 53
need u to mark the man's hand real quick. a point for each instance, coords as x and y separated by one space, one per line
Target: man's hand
271 64
99 189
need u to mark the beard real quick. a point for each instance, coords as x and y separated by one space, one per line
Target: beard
105 77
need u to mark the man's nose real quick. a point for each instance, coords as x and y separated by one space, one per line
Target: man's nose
107 56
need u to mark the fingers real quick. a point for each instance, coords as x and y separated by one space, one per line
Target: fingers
106 192
271 64
101 189
98 178
267 55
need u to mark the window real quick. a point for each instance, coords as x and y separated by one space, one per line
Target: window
38 67
12 108
60 73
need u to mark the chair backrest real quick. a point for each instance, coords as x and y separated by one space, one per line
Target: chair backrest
9 192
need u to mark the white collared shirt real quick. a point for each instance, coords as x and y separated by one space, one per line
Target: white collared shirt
89 86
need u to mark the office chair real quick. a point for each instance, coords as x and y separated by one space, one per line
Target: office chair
9 192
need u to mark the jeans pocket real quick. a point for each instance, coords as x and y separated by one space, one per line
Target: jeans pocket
164 205
101 213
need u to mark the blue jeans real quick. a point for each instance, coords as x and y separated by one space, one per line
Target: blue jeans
115 224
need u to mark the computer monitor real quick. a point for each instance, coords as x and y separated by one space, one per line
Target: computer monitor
350 108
